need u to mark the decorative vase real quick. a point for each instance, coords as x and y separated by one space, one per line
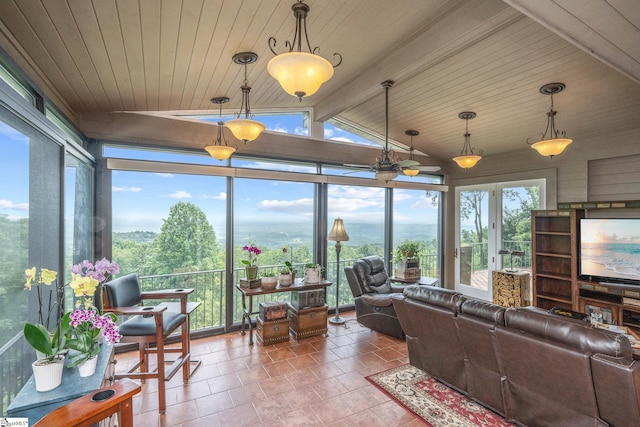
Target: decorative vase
286 279
269 282
312 275
48 375
252 272
88 367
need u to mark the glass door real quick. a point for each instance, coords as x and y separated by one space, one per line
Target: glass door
475 205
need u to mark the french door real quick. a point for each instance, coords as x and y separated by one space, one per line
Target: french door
490 218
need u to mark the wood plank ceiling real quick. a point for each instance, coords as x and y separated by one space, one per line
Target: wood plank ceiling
446 56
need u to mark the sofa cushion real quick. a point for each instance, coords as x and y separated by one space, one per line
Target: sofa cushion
570 332
483 310
440 297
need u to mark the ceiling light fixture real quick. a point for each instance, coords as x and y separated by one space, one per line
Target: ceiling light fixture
387 168
409 171
467 158
557 141
220 149
300 73
245 129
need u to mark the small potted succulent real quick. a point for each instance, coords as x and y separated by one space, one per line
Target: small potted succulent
268 280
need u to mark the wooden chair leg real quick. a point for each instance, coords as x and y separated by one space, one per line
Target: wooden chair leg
186 366
162 398
144 359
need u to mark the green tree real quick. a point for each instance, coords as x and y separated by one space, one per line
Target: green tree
186 241
471 207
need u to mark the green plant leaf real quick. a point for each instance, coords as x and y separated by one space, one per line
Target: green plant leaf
38 337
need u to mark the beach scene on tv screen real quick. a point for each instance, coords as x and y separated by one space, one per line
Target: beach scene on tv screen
610 248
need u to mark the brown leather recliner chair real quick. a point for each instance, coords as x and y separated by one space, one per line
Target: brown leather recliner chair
372 290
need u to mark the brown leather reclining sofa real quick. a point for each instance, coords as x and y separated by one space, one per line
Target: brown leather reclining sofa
533 367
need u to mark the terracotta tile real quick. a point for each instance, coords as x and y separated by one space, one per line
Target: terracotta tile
270 407
224 382
278 368
326 370
301 349
329 388
302 378
213 403
325 356
388 354
364 398
179 413
352 380
281 354
332 409
302 396
243 415
192 391
275 385
393 414
303 362
365 419
252 375
245 394
300 417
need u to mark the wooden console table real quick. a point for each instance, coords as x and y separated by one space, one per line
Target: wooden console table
34 405
248 311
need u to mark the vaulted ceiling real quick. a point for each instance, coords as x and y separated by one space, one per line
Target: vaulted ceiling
446 56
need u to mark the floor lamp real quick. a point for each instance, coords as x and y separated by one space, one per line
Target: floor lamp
338 234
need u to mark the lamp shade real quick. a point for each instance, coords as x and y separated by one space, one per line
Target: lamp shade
410 172
467 162
386 175
220 152
245 129
551 147
300 73
338 232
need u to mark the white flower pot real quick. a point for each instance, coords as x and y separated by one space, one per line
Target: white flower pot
269 282
88 367
48 375
286 279
312 275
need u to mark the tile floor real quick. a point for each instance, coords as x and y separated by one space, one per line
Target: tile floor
318 381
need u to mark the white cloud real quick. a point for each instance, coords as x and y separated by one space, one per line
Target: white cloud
7 204
126 189
180 194
164 175
299 206
220 196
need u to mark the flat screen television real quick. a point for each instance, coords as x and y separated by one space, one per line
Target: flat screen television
610 250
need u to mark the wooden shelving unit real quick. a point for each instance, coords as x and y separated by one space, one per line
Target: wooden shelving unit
554 264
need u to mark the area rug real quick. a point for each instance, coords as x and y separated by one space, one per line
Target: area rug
434 402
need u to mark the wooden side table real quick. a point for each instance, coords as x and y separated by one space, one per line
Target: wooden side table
511 289
248 311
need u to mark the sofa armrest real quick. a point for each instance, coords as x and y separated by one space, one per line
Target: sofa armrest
616 381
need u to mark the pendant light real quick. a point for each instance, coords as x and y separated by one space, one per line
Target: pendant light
300 73
220 149
245 129
467 158
557 141
409 171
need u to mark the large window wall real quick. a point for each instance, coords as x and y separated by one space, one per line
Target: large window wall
273 205
32 159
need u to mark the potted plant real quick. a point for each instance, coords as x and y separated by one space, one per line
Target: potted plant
269 280
87 280
312 273
408 249
407 264
49 343
85 327
251 269
287 272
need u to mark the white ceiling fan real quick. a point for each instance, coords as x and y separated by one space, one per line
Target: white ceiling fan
387 166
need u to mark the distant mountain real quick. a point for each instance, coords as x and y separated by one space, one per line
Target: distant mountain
135 236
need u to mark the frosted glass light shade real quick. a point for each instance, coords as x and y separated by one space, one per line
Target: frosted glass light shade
467 162
551 147
245 129
386 175
410 172
220 152
300 73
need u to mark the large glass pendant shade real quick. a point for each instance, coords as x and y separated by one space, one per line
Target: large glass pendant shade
245 129
300 73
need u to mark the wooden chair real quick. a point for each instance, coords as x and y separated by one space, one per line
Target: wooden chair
96 406
149 325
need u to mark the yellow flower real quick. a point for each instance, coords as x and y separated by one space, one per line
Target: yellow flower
47 276
83 286
30 274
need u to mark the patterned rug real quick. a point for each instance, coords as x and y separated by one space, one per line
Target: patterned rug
434 402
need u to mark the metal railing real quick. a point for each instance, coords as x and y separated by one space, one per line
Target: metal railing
16 357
